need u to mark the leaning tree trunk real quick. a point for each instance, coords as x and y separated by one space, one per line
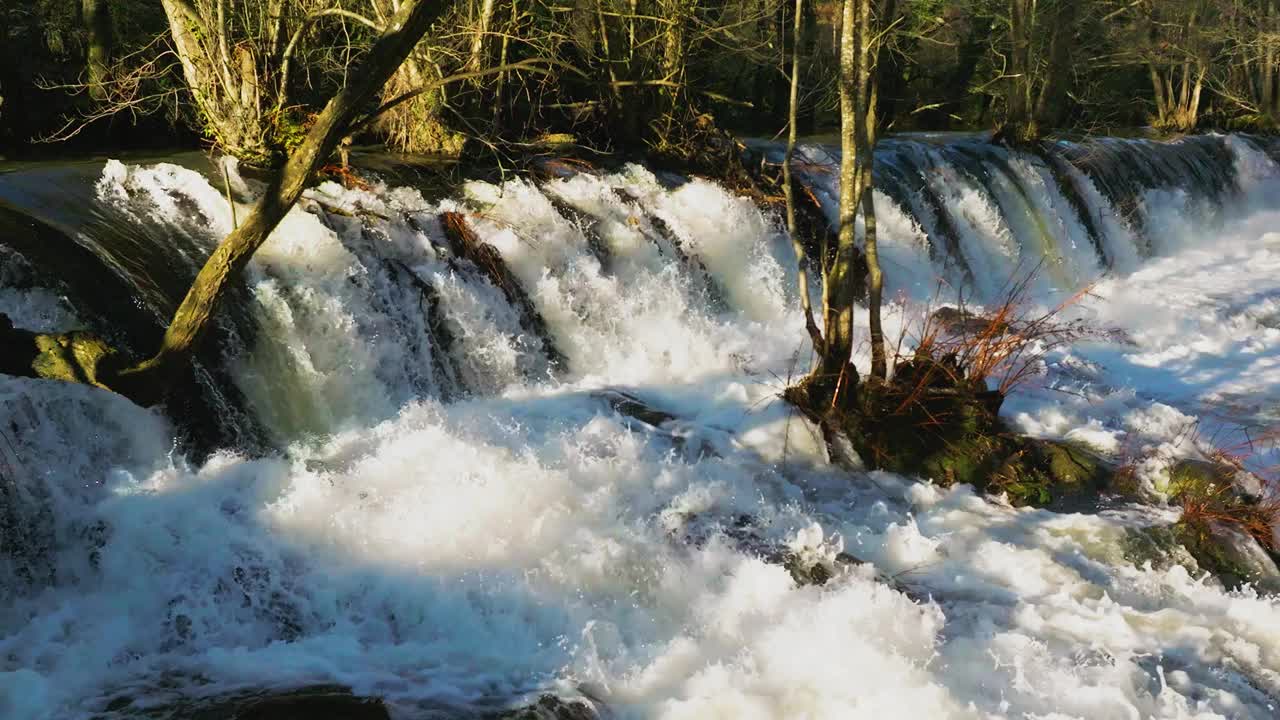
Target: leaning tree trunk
193 317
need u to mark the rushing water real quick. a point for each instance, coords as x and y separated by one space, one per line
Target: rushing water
383 474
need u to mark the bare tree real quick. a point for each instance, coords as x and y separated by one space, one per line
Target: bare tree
834 374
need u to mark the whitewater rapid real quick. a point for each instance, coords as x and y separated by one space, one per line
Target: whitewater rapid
460 525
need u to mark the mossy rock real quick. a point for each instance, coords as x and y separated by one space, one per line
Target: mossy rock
76 356
335 702
550 707
930 421
973 447
72 357
1049 472
1159 545
1229 555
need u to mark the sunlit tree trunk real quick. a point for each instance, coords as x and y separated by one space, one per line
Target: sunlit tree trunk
864 141
479 40
793 113
839 276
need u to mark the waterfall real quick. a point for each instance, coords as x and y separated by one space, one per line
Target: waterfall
456 473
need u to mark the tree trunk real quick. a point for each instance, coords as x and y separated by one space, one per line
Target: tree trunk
1020 124
673 60
802 260
1267 72
215 81
864 139
97 23
838 279
1049 105
476 60
191 321
1157 88
1193 108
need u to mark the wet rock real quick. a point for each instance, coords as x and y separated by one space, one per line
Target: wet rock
330 702
1191 474
550 707
1232 557
17 349
633 407
1158 545
466 244
747 535
661 422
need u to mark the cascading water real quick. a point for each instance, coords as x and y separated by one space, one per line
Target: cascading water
458 486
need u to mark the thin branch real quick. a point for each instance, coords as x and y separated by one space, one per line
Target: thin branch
286 58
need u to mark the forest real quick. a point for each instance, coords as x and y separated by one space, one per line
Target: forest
247 76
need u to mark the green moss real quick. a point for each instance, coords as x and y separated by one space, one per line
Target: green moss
1213 553
71 357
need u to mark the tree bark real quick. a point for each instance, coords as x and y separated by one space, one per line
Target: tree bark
1049 104
864 139
215 83
97 22
192 319
788 189
673 59
1157 88
1271 27
1020 123
478 41
838 279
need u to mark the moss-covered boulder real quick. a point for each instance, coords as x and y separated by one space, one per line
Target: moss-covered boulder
72 357
931 422
1233 557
